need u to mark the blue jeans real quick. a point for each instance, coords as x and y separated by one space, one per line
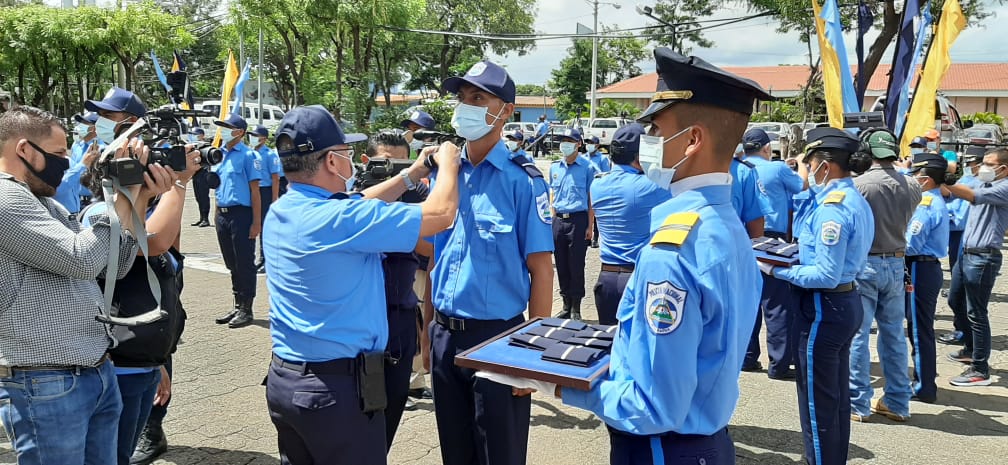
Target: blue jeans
65 417
137 391
972 281
883 295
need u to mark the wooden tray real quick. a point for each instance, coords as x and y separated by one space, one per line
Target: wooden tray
497 356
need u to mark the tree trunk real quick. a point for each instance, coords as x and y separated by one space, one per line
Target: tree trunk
890 26
66 85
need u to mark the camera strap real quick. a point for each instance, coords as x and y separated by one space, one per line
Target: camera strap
109 188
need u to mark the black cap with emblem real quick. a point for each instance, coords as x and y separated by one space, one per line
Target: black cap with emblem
928 160
839 146
693 80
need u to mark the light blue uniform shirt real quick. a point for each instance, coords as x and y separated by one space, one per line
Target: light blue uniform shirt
69 191
834 238
780 184
236 172
480 269
541 129
269 164
326 288
988 216
928 231
747 196
679 371
623 200
959 208
570 184
601 162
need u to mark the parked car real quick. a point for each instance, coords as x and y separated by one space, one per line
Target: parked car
998 131
983 136
528 129
947 120
272 114
780 136
603 128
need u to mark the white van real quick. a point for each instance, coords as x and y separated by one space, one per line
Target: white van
272 115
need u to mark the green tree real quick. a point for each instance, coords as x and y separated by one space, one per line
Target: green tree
609 108
617 60
530 89
684 15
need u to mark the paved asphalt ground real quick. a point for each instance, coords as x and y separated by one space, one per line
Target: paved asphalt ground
218 414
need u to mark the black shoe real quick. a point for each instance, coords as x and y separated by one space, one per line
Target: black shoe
198 222
961 356
205 224
240 320
786 375
226 318
409 406
261 269
575 313
150 446
594 244
925 399
421 393
752 368
566 312
953 338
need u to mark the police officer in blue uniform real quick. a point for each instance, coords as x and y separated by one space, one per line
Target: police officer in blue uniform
602 163
325 389
269 179
489 267
514 142
748 197
780 184
958 214
622 200
835 228
82 154
927 242
570 179
688 308
201 186
418 120
238 219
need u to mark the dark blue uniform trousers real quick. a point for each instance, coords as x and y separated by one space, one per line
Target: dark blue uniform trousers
265 200
824 326
233 225
402 346
569 252
920 313
671 449
776 301
608 293
318 417
955 243
479 421
201 190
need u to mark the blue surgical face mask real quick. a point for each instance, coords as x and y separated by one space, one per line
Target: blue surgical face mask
229 137
932 146
656 147
567 148
815 185
105 129
590 148
353 172
470 123
916 150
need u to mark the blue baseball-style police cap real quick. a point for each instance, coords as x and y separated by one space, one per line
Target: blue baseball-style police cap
755 139
831 139
693 80
421 118
919 141
928 160
310 129
197 131
572 134
260 131
517 135
487 76
89 118
592 140
233 121
626 143
118 100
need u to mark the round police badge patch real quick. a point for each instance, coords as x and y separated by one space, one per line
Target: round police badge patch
477 69
830 233
665 304
916 227
543 208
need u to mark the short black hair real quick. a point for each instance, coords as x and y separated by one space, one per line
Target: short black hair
936 175
385 138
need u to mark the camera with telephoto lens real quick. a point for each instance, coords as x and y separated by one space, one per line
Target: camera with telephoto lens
433 138
378 170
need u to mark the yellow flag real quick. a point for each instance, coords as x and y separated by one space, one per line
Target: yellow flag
832 87
921 116
231 74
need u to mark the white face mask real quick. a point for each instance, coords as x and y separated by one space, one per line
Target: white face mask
353 173
512 145
567 148
968 172
105 129
470 123
815 185
229 137
986 173
932 146
82 130
416 144
653 148
590 148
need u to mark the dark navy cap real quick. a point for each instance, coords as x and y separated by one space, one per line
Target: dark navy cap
260 131
118 100
487 76
754 139
197 131
233 121
571 133
310 129
830 139
974 153
421 118
517 135
928 160
592 140
919 141
693 80
625 143
89 118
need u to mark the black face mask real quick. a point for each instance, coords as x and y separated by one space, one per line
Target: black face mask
55 166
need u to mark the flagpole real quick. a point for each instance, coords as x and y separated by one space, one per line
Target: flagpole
259 89
934 24
896 52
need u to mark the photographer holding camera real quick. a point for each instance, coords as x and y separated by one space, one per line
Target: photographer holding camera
59 399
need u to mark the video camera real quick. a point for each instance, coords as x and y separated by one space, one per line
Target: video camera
378 170
432 138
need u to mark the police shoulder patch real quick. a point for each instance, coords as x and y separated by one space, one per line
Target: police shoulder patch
676 228
926 200
916 226
543 208
835 197
830 234
257 164
762 189
665 303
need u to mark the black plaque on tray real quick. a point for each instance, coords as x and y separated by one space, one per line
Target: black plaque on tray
775 252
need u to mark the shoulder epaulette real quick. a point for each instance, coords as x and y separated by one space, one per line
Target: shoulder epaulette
926 200
602 175
746 162
530 168
835 197
676 228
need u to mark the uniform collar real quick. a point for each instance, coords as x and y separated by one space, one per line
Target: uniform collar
311 191
580 160
238 147
629 169
834 185
499 155
935 191
700 180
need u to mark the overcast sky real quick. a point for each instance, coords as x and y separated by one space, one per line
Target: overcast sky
751 43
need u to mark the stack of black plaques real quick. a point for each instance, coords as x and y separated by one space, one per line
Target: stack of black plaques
567 341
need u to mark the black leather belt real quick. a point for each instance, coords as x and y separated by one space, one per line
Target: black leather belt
339 366
618 268
979 250
231 209
7 372
888 255
845 287
921 258
570 215
465 324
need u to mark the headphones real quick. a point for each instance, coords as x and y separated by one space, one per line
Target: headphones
861 160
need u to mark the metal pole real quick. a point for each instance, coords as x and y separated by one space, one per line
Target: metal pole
594 71
259 88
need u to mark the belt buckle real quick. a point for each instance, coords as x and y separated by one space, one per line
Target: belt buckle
223 209
6 371
456 324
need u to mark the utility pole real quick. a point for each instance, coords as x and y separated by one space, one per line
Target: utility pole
594 71
259 69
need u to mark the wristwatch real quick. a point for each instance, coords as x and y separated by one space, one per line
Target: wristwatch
410 185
